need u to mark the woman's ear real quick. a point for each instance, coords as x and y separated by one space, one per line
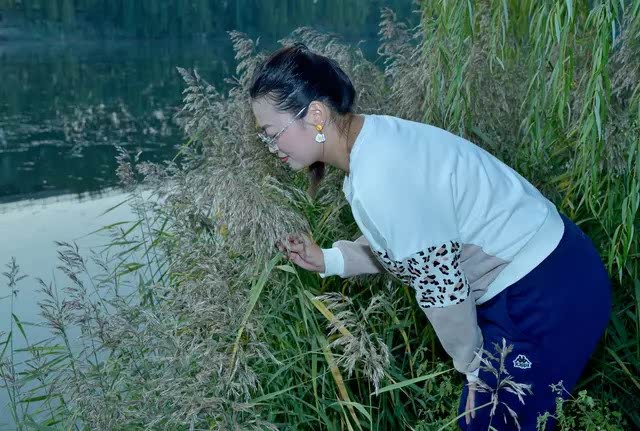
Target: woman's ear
318 113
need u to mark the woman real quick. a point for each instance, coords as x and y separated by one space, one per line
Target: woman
488 256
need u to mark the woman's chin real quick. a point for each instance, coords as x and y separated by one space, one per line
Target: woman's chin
296 166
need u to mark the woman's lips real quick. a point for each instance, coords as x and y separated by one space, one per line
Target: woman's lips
284 159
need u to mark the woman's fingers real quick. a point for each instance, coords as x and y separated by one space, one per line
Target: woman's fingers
300 249
467 417
294 246
295 243
471 396
298 260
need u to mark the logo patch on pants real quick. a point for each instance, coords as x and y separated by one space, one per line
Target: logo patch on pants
522 362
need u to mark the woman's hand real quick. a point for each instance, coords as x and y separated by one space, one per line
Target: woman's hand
471 402
303 251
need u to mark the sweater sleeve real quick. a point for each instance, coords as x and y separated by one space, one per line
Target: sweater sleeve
350 258
457 329
442 292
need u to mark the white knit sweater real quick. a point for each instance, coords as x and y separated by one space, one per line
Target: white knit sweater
445 217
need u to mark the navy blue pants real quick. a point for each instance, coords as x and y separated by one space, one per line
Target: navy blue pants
554 318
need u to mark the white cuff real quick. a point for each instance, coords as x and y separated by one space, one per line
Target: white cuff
472 377
333 262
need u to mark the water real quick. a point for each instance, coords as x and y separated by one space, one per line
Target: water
64 107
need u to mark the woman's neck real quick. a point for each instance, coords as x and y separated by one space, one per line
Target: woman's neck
350 129
341 137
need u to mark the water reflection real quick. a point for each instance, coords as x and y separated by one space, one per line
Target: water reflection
63 108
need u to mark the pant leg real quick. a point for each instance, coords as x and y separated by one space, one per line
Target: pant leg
554 318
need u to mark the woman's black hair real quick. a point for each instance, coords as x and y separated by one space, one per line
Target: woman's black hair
292 77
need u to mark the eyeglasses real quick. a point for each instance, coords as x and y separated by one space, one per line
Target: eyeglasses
270 141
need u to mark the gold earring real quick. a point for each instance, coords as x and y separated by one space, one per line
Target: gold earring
320 137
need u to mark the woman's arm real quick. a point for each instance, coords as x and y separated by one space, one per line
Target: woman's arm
457 329
350 258
455 324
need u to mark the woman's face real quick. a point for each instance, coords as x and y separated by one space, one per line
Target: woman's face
295 143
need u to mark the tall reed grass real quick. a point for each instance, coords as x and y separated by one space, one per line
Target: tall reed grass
553 89
194 321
